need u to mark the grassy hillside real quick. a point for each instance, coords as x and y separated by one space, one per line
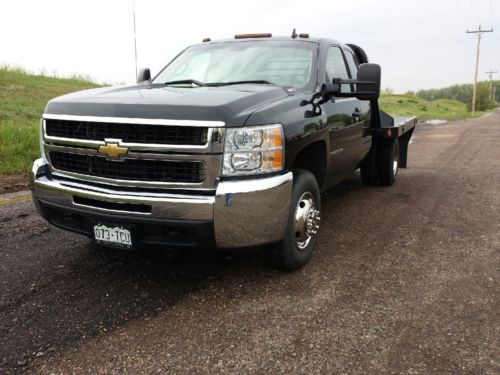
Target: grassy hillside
22 100
410 105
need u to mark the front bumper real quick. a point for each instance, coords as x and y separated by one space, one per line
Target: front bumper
241 213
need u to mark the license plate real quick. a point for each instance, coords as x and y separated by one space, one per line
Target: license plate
117 236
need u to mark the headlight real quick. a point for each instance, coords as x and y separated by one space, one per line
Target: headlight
253 150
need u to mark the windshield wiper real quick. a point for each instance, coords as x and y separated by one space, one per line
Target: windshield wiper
184 81
213 84
259 81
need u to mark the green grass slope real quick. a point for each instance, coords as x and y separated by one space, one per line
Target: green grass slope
23 98
411 105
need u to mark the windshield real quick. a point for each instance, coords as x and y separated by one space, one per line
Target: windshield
279 63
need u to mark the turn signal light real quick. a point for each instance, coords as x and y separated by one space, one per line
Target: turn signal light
278 160
278 137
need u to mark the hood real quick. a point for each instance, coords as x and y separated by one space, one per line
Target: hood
232 104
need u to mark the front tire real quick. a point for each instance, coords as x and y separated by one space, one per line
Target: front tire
303 222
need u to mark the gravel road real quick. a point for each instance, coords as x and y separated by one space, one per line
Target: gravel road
405 279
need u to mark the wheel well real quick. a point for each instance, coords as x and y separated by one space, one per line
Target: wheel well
313 159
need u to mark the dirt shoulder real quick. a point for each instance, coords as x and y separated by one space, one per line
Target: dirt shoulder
13 183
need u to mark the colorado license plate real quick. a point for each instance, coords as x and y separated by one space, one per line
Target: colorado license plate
117 236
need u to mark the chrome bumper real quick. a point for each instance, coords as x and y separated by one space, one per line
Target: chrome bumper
244 212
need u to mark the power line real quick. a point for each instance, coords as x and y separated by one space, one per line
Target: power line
474 15
477 10
492 15
479 33
461 13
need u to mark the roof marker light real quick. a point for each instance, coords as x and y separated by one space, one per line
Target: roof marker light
248 36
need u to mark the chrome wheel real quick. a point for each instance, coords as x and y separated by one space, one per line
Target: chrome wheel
307 219
395 159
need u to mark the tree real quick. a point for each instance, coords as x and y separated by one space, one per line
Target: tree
483 98
463 93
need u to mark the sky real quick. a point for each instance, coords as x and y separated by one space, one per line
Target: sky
419 43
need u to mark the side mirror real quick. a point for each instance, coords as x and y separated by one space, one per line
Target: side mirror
369 76
367 84
144 75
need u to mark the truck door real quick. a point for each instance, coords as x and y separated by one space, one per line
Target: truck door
345 118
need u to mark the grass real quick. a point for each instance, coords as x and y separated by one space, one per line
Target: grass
23 97
411 105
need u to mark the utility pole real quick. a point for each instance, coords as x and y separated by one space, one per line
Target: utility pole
490 74
479 33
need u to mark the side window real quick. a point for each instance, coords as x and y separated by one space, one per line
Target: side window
335 67
353 65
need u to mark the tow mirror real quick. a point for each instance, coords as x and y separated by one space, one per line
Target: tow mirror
144 75
369 77
367 84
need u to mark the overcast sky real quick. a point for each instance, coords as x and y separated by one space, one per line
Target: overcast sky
419 43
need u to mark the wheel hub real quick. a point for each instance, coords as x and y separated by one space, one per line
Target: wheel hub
395 162
307 219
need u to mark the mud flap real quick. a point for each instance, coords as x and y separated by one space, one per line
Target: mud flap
404 140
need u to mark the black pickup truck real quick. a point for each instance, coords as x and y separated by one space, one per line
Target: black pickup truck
229 145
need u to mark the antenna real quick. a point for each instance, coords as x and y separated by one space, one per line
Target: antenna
135 40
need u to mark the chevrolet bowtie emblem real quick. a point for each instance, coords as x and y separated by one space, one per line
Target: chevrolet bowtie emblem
113 150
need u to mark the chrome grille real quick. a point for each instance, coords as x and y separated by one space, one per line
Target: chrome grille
127 132
160 153
129 169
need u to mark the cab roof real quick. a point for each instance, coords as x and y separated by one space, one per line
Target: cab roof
248 37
